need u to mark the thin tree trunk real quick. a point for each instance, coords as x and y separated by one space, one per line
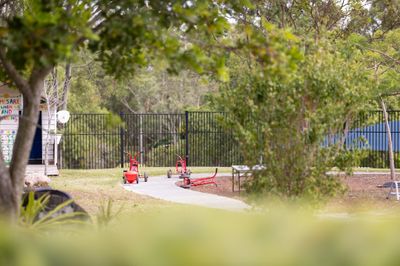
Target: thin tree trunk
46 151
50 93
390 144
66 87
342 143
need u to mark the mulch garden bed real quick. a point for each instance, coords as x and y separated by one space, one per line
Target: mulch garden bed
362 190
363 193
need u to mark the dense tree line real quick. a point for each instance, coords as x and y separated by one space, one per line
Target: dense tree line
150 90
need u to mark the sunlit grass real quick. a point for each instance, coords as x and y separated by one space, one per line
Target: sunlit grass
92 188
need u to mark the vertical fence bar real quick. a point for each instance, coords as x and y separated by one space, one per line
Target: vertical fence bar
187 137
121 133
141 138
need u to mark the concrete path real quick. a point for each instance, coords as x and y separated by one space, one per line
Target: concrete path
161 187
373 173
383 172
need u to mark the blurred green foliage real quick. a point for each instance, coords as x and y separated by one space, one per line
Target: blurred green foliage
210 237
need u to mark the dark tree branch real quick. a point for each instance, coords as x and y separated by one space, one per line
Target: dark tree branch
385 55
396 93
12 72
66 86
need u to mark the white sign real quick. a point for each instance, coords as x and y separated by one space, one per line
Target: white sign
7 139
9 107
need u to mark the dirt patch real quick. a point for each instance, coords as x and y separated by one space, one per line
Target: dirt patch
362 193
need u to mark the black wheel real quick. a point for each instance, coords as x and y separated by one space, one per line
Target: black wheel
145 177
169 173
137 180
123 180
186 182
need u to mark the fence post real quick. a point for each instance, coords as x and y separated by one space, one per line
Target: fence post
187 137
141 138
121 134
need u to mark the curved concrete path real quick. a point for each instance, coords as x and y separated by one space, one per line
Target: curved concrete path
163 188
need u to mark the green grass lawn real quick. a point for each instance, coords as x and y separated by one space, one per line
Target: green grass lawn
93 188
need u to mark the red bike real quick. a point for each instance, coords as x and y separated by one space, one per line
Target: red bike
133 174
180 168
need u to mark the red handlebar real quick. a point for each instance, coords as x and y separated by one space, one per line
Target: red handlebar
134 157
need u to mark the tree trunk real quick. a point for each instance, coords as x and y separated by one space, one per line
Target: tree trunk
22 147
343 143
51 95
7 199
12 179
66 87
48 136
390 144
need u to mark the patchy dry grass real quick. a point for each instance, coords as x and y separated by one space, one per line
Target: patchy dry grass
93 188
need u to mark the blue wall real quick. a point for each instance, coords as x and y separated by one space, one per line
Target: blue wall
375 137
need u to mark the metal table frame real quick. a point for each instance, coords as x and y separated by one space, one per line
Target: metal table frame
240 171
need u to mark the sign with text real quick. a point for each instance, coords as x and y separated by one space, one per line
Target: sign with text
7 139
9 107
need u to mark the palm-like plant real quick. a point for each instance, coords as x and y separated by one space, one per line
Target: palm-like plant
37 214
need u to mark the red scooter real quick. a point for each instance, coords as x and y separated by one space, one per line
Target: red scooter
133 174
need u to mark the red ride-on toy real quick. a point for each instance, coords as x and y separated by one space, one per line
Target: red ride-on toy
193 182
133 175
180 168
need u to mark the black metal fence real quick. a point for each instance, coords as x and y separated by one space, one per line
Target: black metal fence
98 141
91 141
369 133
